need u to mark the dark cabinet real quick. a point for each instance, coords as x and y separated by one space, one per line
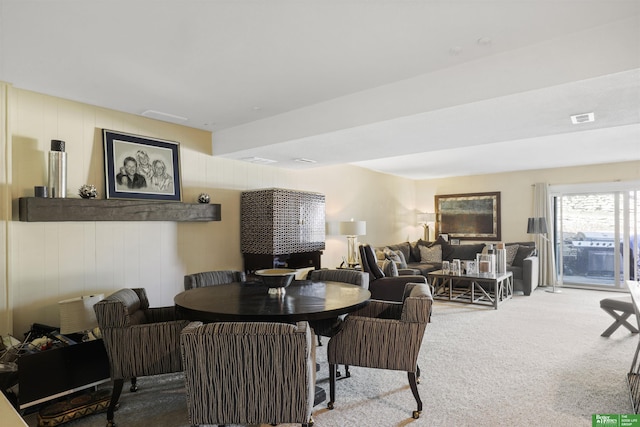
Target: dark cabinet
281 228
253 262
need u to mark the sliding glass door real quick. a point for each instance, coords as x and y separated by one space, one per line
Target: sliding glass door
596 236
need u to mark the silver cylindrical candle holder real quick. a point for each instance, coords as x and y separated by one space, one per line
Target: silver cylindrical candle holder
57 170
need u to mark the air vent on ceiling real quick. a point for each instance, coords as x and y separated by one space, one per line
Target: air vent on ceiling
259 160
303 160
582 118
165 117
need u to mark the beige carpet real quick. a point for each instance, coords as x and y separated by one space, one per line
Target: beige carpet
536 361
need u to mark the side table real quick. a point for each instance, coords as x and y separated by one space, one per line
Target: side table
58 372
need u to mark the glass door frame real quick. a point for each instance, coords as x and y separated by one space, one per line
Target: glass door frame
625 214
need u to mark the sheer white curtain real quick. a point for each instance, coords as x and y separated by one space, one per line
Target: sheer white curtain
542 208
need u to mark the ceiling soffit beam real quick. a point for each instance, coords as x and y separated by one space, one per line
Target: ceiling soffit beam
596 52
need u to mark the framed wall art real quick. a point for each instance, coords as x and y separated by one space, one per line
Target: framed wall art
472 216
139 167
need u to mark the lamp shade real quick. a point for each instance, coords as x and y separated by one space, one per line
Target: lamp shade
537 226
353 228
77 314
424 218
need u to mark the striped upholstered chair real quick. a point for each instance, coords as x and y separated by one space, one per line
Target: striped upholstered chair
249 373
140 341
211 278
384 335
353 277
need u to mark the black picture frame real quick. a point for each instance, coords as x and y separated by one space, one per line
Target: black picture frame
146 182
470 216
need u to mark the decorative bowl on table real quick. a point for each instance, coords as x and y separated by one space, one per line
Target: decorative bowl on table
276 279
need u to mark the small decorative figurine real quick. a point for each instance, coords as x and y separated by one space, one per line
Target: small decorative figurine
204 198
88 191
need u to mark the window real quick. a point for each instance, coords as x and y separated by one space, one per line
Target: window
596 234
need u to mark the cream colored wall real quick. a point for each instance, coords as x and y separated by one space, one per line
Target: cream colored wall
48 262
44 263
516 190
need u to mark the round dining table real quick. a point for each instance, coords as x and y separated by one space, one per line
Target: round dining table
251 301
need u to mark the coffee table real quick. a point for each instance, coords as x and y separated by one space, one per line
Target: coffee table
483 289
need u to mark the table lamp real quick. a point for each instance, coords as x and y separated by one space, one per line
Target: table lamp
424 219
352 229
77 315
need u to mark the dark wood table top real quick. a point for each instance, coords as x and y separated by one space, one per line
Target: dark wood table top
251 301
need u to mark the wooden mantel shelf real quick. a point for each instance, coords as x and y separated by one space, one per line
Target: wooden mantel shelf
38 209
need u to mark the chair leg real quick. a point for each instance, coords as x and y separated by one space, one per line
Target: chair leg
347 374
414 390
134 385
418 374
115 396
319 341
332 385
620 320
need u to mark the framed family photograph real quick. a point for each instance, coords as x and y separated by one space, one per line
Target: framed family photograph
140 167
471 216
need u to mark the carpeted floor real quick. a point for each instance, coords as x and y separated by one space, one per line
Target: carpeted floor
536 361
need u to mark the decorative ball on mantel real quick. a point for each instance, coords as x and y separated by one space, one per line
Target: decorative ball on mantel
204 198
88 191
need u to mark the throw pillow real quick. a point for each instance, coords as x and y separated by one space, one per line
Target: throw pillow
380 255
447 249
396 256
403 260
389 268
512 251
431 254
414 255
523 252
404 247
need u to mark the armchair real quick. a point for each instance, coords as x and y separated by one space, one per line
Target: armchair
384 335
211 278
384 287
235 374
140 341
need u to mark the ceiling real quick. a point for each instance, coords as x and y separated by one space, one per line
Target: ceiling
419 89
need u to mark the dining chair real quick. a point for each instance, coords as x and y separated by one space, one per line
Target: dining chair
249 373
212 278
384 335
354 277
326 328
140 341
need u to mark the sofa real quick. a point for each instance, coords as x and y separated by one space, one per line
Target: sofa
421 257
